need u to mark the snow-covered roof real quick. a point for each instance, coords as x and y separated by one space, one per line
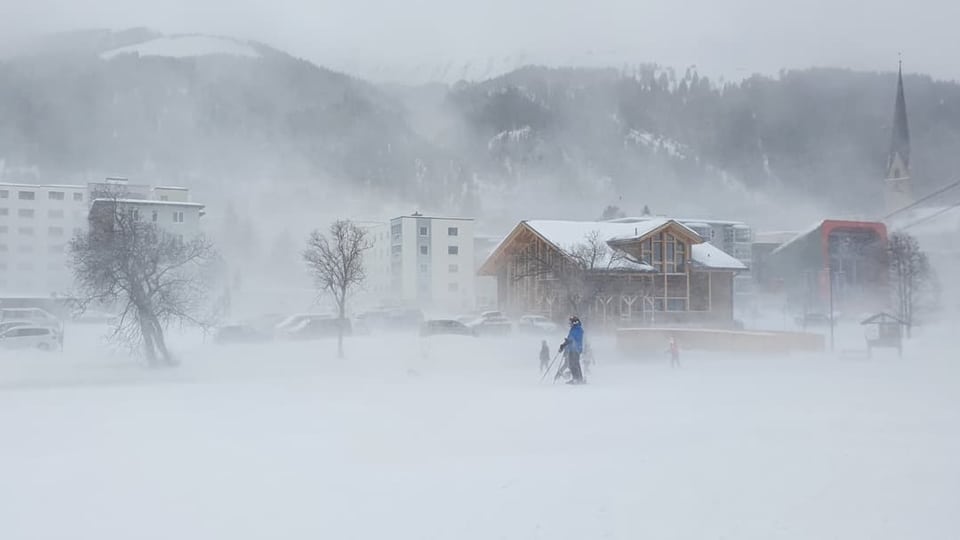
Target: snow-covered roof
708 256
565 234
186 46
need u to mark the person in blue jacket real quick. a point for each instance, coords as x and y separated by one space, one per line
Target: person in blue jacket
573 345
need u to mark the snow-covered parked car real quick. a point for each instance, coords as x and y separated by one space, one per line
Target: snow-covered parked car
537 324
441 327
44 338
491 326
240 333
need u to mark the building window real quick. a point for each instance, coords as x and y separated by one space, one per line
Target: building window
453 231
453 250
25 213
153 216
423 231
55 214
423 269
395 250
4 194
25 249
58 248
55 231
26 231
4 211
453 287
78 196
178 217
423 250
3 248
3 229
135 214
676 304
25 267
453 268
163 198
26 195
55 195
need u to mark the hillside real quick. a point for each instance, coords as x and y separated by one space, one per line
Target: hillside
215 112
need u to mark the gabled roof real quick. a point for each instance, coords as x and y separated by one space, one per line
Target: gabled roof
564 235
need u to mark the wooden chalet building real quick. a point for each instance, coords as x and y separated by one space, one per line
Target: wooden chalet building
652 271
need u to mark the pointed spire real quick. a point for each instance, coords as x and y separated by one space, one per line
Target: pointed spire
900 142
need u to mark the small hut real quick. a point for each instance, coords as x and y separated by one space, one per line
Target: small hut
883 330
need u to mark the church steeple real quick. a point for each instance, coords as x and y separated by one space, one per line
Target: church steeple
898 190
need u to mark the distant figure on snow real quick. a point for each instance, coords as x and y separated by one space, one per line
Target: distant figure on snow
674 351
544 356
573 344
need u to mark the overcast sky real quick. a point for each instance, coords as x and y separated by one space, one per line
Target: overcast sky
733 37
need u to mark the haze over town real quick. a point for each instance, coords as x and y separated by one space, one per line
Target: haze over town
479 269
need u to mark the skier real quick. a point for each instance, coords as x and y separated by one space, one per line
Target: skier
544 356
674 351
573 344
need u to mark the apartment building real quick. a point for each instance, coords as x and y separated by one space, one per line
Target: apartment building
36 224
38 221
423 261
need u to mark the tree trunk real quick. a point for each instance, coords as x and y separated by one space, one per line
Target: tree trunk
340 324
160 343
148 346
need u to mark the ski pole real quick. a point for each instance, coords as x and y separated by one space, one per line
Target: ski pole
550 366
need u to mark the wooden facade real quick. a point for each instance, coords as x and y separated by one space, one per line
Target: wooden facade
664 285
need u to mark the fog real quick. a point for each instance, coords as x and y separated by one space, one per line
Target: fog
732 39
190 386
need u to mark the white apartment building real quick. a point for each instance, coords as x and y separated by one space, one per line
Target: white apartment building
36 225
38 221
423 261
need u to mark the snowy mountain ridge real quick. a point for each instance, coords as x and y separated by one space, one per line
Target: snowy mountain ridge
182 46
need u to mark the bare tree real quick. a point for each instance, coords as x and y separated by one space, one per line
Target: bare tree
581 272
337 265
909 271
154 278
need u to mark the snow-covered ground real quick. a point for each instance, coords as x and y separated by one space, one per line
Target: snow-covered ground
458 440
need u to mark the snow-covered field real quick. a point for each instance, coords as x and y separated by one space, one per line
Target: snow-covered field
458 440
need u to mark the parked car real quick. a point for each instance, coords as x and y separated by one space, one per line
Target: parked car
289 323
4 326
40 317
31 337
319 327
240 333
537 324
389 319
491 326
445 327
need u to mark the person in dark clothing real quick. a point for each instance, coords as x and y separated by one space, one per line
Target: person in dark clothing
573 346
674 351
544 356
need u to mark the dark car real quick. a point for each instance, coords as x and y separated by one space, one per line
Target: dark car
318 328
445 327
240 333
